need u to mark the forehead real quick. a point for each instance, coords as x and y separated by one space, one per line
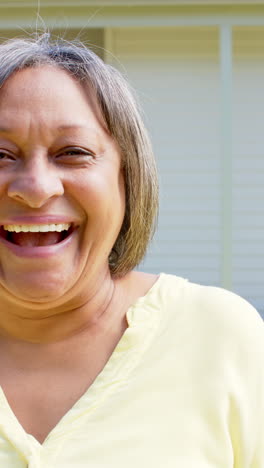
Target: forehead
39 79
50 90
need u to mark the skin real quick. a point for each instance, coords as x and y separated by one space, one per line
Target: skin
64 313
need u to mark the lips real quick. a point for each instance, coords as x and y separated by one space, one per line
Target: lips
35 239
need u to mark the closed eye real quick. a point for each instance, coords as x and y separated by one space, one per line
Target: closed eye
75 151
6 156
75 155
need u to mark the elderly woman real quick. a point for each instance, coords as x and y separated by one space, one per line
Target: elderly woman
103 366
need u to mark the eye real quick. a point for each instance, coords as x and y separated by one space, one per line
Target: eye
6 156
75 155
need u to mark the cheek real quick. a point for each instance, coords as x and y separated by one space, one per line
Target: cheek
4 181
99 193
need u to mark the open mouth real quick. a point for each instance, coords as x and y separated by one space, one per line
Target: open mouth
36 235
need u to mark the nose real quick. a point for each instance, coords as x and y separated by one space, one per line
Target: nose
36 184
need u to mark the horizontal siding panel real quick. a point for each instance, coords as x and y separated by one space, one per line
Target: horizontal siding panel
248 43
252 193
256 280
243 151
189 207
249 179
194 220
250 205
199 163
247 234
187 193
247 163
167 42
187 236
241 220
189 264
180 248
251 248
207 179
247 263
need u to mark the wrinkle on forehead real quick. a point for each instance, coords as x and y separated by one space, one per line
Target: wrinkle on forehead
14 92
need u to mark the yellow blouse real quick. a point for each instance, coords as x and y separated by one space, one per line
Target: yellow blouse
184 388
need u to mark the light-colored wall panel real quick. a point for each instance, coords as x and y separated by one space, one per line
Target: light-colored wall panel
176 74
248 165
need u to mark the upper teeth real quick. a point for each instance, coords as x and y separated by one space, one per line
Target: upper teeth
36 227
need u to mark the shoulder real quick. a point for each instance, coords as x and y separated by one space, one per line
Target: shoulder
219 337
213 309
226 307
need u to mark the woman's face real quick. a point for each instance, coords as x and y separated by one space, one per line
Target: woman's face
58 166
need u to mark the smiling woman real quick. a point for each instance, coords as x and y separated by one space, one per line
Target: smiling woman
101 365
115 107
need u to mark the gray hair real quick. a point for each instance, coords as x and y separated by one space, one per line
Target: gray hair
122 118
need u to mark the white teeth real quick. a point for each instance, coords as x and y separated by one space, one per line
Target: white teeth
36 227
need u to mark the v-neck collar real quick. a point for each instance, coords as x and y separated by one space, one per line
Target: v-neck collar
143 318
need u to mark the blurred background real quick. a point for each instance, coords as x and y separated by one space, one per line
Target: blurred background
198 69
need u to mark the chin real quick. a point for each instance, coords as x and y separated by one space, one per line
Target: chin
37 291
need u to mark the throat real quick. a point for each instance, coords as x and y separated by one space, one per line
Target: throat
35 239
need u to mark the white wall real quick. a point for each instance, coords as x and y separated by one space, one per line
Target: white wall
176 74
248 162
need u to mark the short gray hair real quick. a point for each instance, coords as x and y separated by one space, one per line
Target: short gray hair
121 114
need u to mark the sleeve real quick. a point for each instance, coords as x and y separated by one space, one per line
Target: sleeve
258 456
246 383
240 336
248 402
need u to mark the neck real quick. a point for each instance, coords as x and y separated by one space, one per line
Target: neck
38 325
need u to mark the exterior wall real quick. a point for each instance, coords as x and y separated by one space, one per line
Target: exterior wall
248 165
176 73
